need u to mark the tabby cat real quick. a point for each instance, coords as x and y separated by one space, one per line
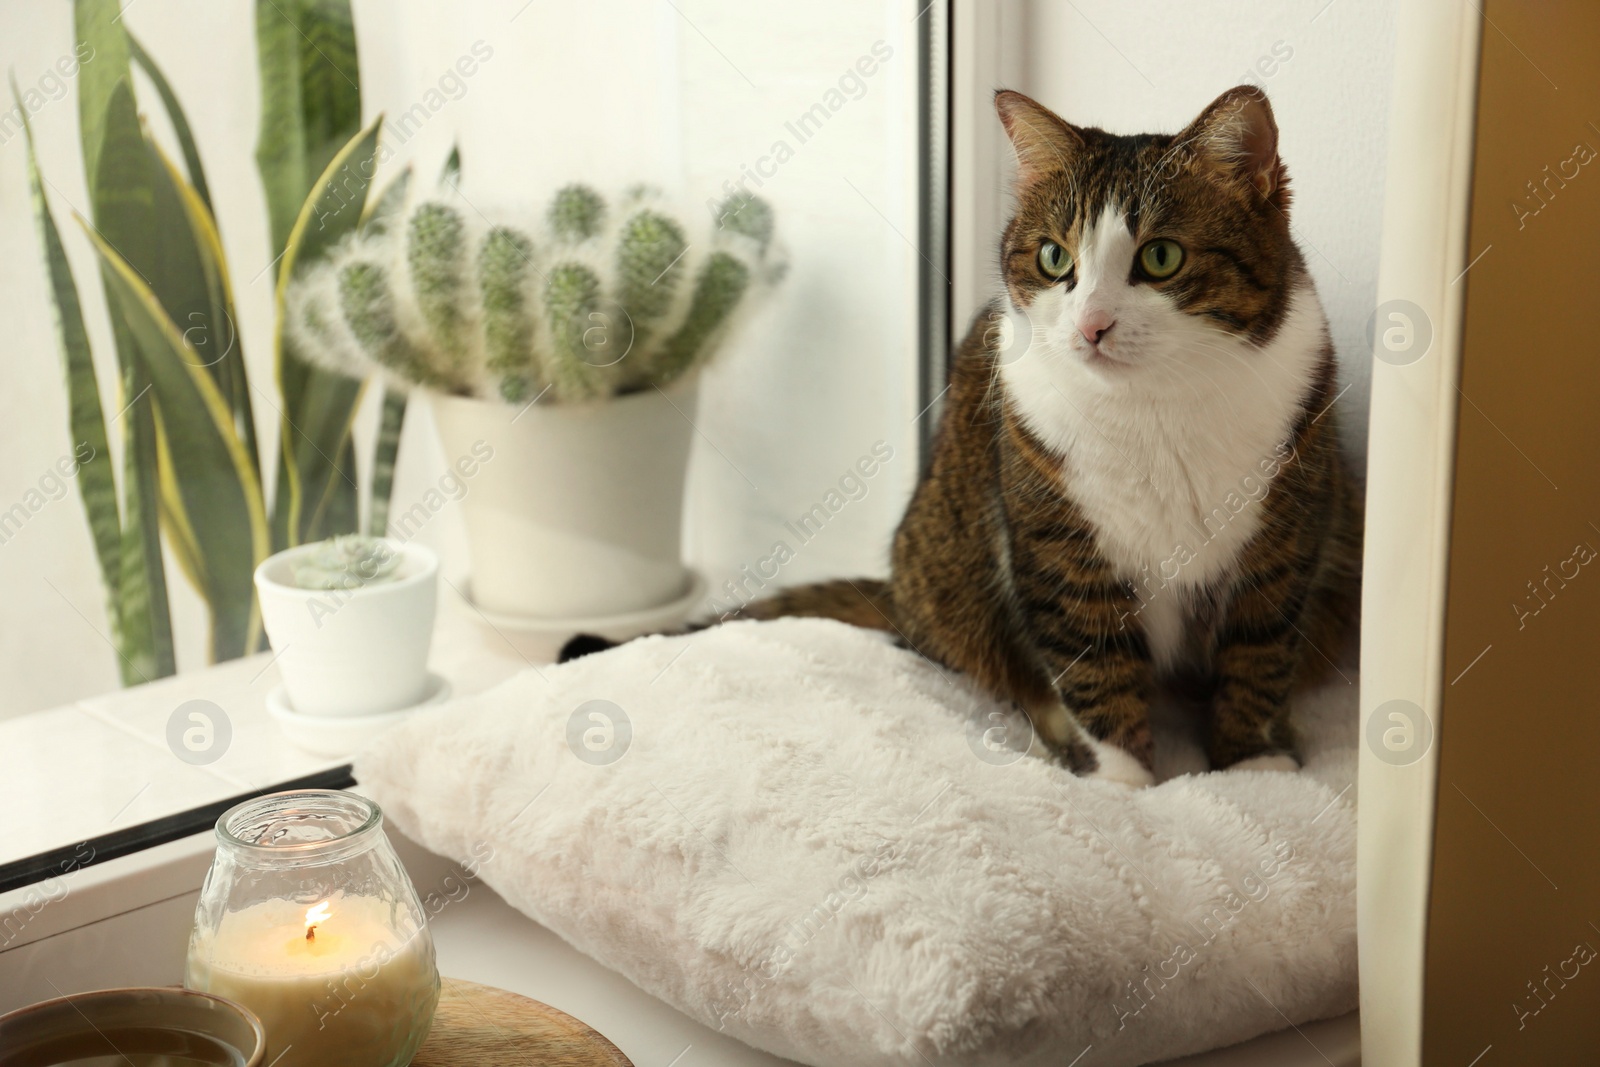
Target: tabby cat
1137 477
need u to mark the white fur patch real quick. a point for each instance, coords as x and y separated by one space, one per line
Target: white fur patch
1118 766
1167 431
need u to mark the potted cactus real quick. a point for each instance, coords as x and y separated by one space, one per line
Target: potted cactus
351 622
567 344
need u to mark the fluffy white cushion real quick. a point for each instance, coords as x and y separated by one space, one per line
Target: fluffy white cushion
807 843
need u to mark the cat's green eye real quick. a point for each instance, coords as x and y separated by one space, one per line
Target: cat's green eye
1053 259
1160 258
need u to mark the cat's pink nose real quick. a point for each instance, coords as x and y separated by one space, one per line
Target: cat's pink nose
1095 324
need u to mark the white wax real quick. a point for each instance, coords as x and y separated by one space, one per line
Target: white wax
350 995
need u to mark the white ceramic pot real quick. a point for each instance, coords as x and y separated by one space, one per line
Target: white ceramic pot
579 511
351 652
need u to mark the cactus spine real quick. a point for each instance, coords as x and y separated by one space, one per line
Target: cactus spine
577 213
626 306
436 252
369 310
749 215
572 296
717 292
505 262
649 264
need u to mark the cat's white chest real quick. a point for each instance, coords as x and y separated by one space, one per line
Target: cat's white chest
1169 459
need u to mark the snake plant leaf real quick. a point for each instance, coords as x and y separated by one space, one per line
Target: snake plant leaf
391 422
179 120
181 538
216 328
381 211
208 321
335 205
310 110
216 515
319 406
450 174
122 198
310 99
98 24
85 416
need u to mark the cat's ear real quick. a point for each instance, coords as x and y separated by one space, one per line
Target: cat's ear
1238 138
1044 144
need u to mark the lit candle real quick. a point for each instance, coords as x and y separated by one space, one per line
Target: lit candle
347 981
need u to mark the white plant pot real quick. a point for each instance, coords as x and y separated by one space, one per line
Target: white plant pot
351 652
579 512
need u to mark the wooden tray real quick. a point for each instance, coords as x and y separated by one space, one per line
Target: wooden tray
481 1026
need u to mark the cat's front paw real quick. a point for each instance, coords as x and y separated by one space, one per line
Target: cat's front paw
1119 766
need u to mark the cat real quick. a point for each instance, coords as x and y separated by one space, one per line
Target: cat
1136 478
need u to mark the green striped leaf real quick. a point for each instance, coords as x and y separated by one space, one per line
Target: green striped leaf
380 213
119 200
179 120
122 198
207 318
209 490
310 110
216 327
85 416
383 460
98 24
310 99
189 279
318 462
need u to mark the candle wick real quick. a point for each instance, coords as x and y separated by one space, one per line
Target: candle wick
311 933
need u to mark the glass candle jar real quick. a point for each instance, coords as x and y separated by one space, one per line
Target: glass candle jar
308 919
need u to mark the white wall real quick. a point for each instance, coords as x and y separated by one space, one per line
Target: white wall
1151 67
614 91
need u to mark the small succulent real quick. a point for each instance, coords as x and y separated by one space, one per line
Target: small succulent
592 300
348 562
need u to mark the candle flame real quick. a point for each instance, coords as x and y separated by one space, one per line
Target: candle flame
314 915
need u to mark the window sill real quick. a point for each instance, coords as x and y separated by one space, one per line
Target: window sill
102 766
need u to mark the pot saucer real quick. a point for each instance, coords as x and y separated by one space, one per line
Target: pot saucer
618 627
342 735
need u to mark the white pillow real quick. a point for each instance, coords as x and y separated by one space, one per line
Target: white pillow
807 842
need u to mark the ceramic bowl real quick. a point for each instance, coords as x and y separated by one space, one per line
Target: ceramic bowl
111 1025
